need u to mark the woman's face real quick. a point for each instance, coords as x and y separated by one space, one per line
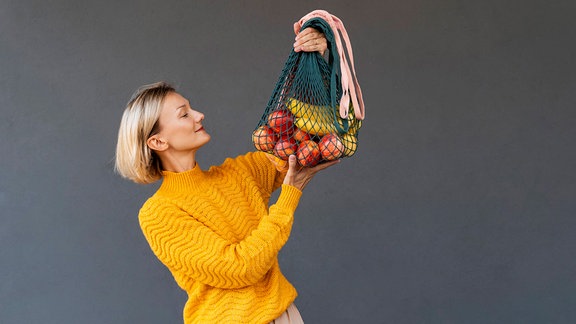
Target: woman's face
180 126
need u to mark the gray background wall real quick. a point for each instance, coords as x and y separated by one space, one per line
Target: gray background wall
459 206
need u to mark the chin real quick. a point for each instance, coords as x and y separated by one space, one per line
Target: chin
207 138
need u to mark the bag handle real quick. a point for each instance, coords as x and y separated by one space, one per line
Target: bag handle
351 91
335 71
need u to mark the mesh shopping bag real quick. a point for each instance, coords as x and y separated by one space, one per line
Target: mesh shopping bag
304 114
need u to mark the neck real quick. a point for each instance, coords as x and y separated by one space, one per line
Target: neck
178 162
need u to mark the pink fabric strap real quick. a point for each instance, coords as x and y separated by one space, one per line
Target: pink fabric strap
351 91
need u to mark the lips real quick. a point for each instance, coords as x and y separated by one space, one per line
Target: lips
200 129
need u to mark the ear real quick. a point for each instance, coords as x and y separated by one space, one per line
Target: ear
157 143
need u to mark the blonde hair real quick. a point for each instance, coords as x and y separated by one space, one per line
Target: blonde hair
134 159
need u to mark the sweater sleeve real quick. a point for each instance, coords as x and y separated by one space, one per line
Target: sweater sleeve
184 244
262 168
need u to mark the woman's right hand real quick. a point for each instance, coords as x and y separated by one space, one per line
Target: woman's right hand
309 40
298 176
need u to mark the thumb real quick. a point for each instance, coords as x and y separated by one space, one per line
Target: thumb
289 177
296 28
292 164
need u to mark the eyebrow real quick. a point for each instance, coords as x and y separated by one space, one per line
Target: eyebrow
180 108
184 105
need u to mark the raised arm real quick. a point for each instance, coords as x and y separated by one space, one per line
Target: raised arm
184 243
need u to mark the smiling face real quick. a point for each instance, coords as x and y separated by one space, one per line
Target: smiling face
180 127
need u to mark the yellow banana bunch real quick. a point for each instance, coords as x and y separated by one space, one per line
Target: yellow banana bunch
350 144
353 123
318 120
355 126
314 127
305 110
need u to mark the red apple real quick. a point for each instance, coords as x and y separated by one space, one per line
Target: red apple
281 121
264 138
286 136
285 147
300 135
331 147
308 153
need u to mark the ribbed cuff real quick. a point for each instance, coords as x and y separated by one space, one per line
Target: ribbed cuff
289 197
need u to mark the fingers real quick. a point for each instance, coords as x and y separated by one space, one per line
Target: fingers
311 171
307 35
310 40
325 165
307 32
299 176
313 45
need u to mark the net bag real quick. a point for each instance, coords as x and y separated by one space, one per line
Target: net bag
312 112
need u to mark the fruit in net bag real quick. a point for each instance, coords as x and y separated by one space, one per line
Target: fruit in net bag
315 126
308 153
285 147
331 147
281 121
264 138
305 107
300 135
350 142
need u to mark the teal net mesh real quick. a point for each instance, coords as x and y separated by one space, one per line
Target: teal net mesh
302 116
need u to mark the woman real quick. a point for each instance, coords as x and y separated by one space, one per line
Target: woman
213 229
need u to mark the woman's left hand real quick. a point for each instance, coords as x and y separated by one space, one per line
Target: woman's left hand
309 40
298 176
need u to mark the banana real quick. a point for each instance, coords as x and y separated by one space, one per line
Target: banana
354 126
314 127
305 110
353 123
350 144
318 120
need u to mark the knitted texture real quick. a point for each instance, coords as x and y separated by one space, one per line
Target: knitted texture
219 238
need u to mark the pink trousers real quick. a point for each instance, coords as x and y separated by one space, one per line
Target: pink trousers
290 316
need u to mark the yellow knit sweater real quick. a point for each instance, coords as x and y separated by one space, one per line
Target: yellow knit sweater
219 238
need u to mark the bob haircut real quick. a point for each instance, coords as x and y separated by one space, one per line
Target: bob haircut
134 159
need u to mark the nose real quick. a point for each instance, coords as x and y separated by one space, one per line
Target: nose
199 116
